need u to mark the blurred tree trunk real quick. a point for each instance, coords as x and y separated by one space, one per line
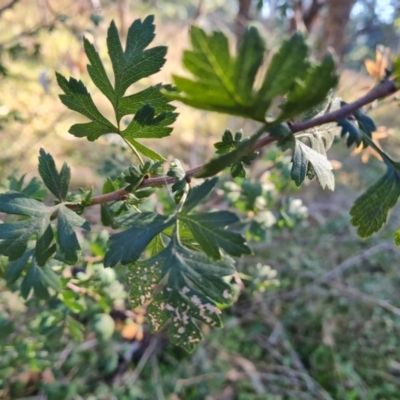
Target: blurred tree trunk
311 14
242 18
336 22
123 14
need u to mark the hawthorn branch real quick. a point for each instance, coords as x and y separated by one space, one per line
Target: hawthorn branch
382 90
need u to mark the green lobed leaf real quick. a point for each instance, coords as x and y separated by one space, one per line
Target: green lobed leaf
370 211
16 235
176 171
250 57
243 148
302 157
45 247
56 182
237 170
67 239
287 65
311 91
91 130
221 82
191 285
14 268
97 72
77 98
208 230
146 124
39 279
151 96
32 189
127 246
135 62
354 136
226 144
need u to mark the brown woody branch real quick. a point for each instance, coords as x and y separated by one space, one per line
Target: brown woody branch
382 90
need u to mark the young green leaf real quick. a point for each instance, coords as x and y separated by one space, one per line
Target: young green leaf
225 84
227 144
242 149
302 157
176 171
134 177
57 183
358 130
321 137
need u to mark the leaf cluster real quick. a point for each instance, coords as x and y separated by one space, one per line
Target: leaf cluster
230 143
35 222
183 278
226 83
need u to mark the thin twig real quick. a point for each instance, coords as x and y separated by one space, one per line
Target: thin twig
365 297
339 270
382 90
143 361
157 378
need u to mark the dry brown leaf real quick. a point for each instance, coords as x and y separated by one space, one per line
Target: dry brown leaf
129 331
377 68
